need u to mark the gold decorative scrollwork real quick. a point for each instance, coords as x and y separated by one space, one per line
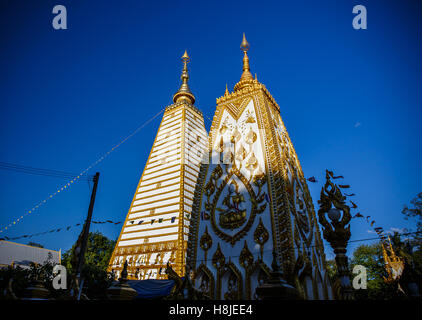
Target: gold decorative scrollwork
234 282
252 163
232 287
232 216
218 259
261 236
228 158
246 258
235 136
223 127
205 242
251 137
241 153
217 173
210 206
207 284
250 118
220 146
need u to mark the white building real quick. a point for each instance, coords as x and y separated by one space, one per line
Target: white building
17 254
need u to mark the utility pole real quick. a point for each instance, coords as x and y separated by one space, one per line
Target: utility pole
83 238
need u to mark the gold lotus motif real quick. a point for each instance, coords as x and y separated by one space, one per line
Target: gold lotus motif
220 146
223 128
252 162
261 236
235 136
241 153
251 137
246 258
250 118
218 259
206 241
228 158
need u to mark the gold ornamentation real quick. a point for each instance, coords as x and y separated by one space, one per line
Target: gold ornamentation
209 188
246 257
217 173
220 147
205 242
210 206
207 281
218 259
232 287
228 158
232 216
251 137
393 264
282 205
234 283
235 136
263 274
246 79
252 163
224 127
241 153
184 94
249 117
261 236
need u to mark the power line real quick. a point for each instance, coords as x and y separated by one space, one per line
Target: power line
67 228
40 171
80 175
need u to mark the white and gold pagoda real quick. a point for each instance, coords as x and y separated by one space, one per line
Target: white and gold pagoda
156 228
225 207
252 200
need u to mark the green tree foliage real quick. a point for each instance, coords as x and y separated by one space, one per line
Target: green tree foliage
331 267
370 256
94 271
412 250
415 212
35 244
97 280
14 280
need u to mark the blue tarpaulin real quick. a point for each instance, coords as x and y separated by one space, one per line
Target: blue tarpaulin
151 288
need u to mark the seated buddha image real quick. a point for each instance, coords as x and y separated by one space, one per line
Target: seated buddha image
232 216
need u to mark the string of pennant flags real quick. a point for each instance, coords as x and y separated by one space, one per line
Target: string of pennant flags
67 228
378 230
79 176
34 208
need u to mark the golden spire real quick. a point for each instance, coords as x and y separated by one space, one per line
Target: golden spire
246 78
226 93
244 46
184 93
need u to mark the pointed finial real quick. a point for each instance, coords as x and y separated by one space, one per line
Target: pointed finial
184 93
244 45
226 93
185 57
246 77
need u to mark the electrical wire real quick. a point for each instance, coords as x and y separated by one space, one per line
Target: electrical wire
80 176
39 171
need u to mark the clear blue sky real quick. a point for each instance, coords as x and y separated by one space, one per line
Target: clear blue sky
351 100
